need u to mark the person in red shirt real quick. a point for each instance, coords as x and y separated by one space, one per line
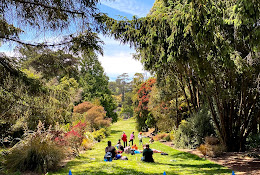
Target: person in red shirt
124 138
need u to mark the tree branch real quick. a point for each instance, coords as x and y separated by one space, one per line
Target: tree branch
37 44
50 7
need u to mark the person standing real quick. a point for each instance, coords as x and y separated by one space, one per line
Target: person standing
132 136
124 138
140 137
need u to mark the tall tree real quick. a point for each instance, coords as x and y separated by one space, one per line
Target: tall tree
212 49
95 84
143 115
51 64
123 84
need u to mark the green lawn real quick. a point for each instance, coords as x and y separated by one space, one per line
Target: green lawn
175 163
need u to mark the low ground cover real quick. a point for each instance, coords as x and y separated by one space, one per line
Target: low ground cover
175 163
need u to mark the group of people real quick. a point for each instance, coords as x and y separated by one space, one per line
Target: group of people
131 140
114 154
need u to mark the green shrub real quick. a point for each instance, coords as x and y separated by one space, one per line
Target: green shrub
37 152
107 131
191 133
202 125
99 134
168 137
253 141
184 136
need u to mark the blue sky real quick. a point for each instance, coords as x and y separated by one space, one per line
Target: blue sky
117 58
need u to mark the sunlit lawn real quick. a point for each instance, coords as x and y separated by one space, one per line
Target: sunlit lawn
175 163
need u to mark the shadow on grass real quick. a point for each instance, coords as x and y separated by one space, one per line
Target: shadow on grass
116 171
201 168
184 155
114 131
177 168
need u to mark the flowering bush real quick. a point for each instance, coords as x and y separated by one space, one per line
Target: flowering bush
75 136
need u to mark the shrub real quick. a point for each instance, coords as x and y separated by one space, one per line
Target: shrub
87 144
98 135
159 136
83 107
212 140
190 133
101 134
96 118
184 136
37 152
75 136
253 141
168 137
211 150
88 141
202 148
107 132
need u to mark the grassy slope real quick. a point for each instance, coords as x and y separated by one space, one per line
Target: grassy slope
175 163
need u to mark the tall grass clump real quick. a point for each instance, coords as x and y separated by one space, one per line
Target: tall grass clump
37 152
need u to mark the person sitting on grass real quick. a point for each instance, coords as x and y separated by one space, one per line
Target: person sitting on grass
147 154
118 144
110 149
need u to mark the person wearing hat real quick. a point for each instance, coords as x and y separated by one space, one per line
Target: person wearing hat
140 137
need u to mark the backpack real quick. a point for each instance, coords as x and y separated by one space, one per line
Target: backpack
108 156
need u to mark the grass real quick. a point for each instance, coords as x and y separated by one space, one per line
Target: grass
175 163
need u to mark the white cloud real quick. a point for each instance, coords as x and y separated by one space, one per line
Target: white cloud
120 63
132 7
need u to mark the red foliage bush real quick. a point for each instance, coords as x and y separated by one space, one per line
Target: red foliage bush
74 137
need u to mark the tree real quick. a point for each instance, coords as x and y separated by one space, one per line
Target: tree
123 84
50 63
51 16
212 49
94 83
143 116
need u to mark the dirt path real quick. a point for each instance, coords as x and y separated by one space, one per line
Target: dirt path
239 162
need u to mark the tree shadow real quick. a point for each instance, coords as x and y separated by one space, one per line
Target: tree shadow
115 131
184 155
117 171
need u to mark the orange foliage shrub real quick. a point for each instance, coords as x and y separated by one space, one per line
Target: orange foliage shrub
159 136
212 147
96 118
94 115
83 107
